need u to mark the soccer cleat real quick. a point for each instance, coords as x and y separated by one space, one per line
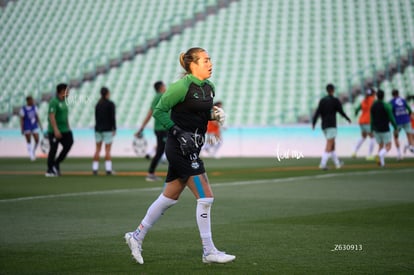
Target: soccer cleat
406 148
56 170
95 172
50 174
216 256
109 173
322 167
377 160
135 247
354 155
152 177
370 158
339 165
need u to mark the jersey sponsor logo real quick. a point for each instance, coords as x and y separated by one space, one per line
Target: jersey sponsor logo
399 102
195 165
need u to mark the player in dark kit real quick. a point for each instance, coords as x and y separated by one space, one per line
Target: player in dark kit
59 130
159 130
190 101
381 117
327 109
105 130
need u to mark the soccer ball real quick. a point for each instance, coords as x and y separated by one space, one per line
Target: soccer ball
139 145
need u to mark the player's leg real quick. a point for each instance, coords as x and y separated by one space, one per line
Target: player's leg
371 146
36 143
98 147
167 199
360 141
67 142
410 137
161 139
54 143
334 156
217 142
200 187
385 146
108 158
27 136
326 154
397 144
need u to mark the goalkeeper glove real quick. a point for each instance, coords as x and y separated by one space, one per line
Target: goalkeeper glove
187 144
218 114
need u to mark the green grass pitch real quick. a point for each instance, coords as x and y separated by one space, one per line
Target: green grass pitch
277 217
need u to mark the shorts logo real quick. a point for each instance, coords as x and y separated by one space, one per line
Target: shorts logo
204 215
195 165
195 95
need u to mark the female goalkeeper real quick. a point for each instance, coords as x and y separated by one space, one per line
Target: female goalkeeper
184 109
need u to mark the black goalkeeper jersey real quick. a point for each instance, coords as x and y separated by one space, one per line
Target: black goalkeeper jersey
327 109
105 116
190 101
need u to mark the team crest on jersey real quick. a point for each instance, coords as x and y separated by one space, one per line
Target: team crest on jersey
195 165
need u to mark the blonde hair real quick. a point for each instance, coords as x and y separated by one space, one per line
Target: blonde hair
190 56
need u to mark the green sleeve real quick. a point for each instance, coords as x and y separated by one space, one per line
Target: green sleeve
388 109
371 120
358 109
52 106
175 94
155 101
408 108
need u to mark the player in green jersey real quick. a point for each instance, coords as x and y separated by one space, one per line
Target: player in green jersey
184 110
159 130
58 130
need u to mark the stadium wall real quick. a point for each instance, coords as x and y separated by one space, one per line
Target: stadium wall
296 141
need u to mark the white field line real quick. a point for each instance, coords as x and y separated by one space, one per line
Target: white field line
235 183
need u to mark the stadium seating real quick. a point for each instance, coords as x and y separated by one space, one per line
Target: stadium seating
272 59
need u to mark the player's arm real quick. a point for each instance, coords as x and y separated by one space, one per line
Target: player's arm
371 121
358 109
174 95
38 120
21 120
408 107
316 115
53 122
144 123
390 114
113 118
52 119
341 111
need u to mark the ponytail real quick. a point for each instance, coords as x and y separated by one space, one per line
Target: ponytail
190 56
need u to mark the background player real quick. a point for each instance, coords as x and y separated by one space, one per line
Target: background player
105 130
402 113
159 130
214 138
365 123
381 117
30 123
327 109
190 101
58 130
